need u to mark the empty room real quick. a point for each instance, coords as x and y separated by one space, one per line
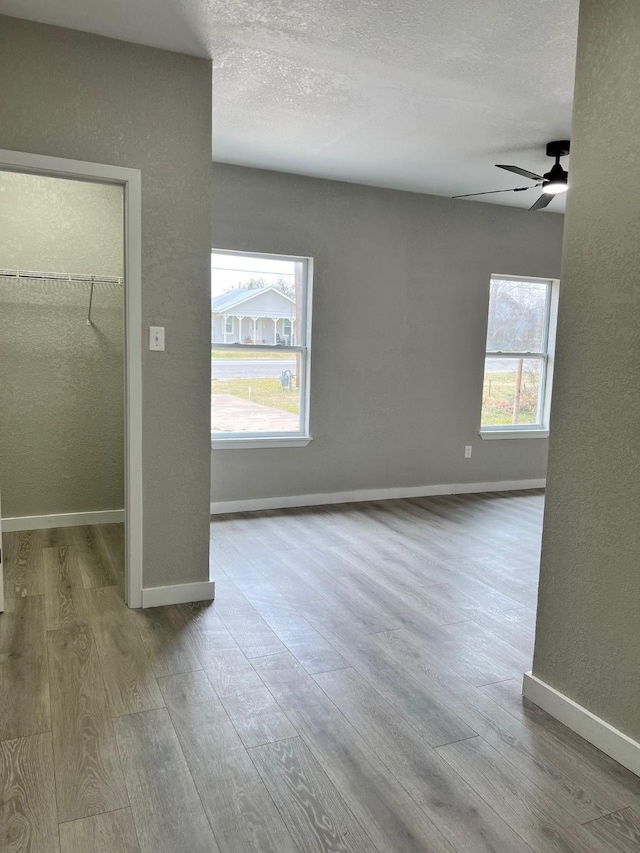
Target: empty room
319 460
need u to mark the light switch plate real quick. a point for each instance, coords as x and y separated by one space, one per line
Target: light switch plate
156 338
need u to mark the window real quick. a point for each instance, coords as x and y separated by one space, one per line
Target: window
260 337
517 367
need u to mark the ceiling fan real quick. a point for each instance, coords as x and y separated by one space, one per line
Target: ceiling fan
552 182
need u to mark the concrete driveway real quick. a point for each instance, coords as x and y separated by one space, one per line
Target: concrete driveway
231 414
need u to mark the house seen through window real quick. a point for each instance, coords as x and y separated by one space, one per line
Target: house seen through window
517 376
260 323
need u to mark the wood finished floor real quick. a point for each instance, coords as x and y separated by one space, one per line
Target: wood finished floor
355 688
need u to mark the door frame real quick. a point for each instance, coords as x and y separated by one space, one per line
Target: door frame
131 182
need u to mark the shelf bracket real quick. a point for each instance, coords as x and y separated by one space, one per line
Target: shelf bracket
89 323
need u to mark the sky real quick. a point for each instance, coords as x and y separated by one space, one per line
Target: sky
228 271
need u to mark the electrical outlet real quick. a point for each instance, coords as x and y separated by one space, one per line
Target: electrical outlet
467 451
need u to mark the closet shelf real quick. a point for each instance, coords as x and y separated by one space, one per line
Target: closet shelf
63 277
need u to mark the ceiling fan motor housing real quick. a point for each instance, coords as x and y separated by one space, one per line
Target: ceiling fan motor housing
556 175
559 148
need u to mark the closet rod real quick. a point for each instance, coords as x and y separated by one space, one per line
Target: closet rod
62 276
65 277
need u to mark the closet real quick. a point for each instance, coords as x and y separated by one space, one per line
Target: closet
61 380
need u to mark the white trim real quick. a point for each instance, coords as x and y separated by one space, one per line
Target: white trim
179 593
499 486
1 566
546 358
596 731
131 181
490 435
63 519
284 502
304 350
253 443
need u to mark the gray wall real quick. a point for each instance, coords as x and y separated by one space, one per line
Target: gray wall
71 94
588 634
400 302
62 381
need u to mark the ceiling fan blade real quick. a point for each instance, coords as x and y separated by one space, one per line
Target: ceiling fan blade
518 171
543 201
491 192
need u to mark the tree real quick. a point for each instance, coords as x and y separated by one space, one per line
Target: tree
282 284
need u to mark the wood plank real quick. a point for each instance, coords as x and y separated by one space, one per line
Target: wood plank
96 565
401 594
248 629
167 648
391 817
546 759
517 627
241 812
273 669
112 832
606 781
619 832
186 688
460 813
128 676
24 677
88 772
28 822
113 546
316 655
64 594
204 629
257 717
535 815
432 717
23 574
477 639
315 813
230 672
474 599
286 622
364 613
167 810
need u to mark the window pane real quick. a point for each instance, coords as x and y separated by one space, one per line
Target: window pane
256 300
517 316
255 391
511 391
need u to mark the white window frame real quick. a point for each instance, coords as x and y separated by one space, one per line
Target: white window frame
545 357
228 321
281 438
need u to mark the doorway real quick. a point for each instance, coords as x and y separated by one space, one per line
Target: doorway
70 286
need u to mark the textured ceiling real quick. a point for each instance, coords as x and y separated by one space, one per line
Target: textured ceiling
421 95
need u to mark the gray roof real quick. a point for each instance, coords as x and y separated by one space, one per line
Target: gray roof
234 297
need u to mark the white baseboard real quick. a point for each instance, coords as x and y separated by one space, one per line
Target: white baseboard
253 505
179 593
601 734
64 519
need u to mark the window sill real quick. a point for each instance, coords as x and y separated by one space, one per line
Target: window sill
513 433
256 443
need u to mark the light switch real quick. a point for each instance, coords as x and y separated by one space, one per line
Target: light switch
156 338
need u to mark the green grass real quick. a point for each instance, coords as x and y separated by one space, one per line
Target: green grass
497 403
497 406
267 392
243 353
